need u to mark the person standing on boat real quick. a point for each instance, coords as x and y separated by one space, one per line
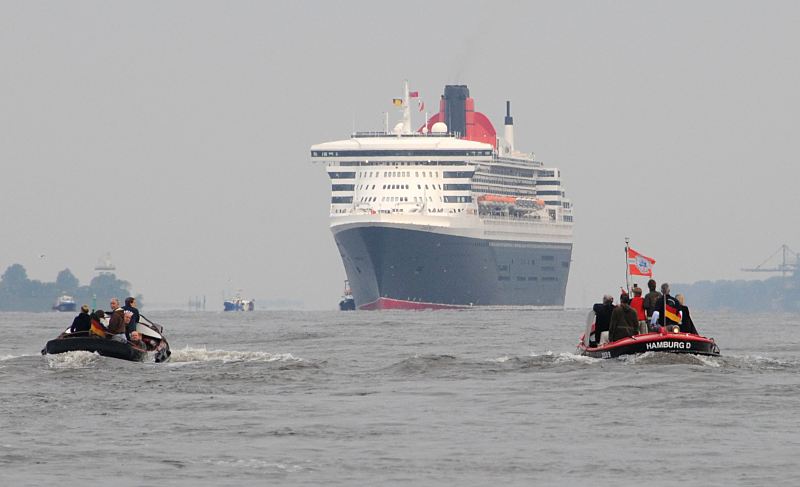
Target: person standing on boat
602 318
130 305
82 322
667 307
116 324
637 303
650 299
687 325
624 322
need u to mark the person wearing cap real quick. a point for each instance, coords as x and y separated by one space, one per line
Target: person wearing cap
82 322
624 322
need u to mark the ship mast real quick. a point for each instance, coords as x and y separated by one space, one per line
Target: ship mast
406 109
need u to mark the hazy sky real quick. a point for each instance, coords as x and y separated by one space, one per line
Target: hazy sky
176 135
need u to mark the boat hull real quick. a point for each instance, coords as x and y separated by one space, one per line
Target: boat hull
65 307
103 346
682 343
399 268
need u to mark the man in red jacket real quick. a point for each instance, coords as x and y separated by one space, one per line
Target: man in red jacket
637 303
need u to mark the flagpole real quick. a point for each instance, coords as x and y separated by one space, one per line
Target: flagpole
627 266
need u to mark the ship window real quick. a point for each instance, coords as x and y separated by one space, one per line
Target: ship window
548 258
342 187
549 278
549 193
419 186
416 174
426 186
458 199
567 218
457 187
458 174
533 278
341 199
342 175
503 278
503 267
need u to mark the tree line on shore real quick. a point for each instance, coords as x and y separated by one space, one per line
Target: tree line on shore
773 294
19 293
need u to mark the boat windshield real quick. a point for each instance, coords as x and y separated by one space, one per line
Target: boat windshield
589 323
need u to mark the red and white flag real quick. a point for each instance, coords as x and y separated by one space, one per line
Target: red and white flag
413 94
421 105
639 265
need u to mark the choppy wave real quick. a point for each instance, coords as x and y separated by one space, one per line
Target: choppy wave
188 354
72 360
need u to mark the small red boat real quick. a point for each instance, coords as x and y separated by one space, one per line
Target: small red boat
659 341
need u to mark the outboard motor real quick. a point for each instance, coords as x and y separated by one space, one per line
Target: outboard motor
162 355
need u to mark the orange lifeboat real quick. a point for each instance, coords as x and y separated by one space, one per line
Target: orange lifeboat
496 198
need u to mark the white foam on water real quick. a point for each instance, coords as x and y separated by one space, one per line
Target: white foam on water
72 360
566 357
500 360
188 354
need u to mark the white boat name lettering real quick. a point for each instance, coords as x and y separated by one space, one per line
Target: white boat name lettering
681 345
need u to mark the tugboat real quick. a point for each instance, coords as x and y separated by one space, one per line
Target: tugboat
667 338
348 303
152 342
238 304
65 303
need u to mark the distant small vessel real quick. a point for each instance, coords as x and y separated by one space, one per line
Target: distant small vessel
348 303
239 304
65 303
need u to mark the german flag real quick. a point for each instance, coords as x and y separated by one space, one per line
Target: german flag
97 329
672 314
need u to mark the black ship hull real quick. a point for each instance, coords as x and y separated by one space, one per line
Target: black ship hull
391 267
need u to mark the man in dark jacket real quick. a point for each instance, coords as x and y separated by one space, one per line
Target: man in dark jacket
602 318
130 305
82 322
624 322
669 306
651 298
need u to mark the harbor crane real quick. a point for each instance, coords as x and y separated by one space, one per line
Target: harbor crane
785 266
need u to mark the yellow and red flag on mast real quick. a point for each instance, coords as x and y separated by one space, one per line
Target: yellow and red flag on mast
639 265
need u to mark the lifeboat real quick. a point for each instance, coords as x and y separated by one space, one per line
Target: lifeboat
496 198
664 341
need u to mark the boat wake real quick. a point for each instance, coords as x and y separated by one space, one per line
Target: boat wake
191 355
73 360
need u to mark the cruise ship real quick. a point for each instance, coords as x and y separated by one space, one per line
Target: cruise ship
448 214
